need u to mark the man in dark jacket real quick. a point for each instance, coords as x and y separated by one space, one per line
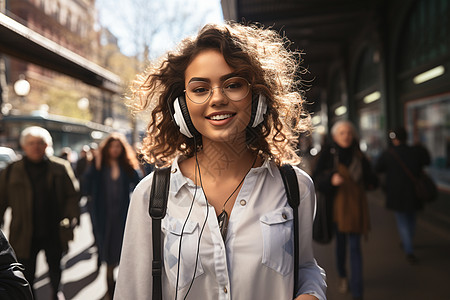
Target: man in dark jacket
400 195
43 195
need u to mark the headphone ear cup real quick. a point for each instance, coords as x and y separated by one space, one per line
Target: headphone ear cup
259 109
183 119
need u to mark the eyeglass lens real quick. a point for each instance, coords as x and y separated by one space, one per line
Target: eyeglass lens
235 89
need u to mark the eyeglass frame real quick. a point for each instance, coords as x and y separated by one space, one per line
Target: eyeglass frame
221 90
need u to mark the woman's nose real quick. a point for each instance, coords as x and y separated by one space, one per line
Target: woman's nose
217 96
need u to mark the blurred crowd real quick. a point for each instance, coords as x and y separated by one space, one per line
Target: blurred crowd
44 190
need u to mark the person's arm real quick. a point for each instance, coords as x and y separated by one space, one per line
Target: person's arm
311 280
134 280
324 171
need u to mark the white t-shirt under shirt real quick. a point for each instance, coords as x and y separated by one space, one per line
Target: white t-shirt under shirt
256 260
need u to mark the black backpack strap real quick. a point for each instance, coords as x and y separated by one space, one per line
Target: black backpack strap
157 210
292 192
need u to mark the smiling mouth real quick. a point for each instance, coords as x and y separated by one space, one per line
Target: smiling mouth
220 117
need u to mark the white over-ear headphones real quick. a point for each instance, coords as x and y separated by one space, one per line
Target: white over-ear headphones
179 119
261 109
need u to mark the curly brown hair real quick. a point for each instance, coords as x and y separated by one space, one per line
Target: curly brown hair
127 159
258 54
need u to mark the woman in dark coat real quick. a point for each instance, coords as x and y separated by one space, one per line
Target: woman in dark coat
342 174
400 195
109 182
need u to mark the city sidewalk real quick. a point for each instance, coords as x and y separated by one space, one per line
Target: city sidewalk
387 274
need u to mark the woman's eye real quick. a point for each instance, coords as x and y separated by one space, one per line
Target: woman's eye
233 85
200 90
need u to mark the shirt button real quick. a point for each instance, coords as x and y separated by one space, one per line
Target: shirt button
284 216
174 170
243 202
225 289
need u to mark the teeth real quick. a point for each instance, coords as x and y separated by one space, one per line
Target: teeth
221 117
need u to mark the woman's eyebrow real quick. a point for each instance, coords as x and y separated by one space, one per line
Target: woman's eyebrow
222 78
199 79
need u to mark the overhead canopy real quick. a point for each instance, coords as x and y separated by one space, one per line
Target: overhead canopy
321 28
23 43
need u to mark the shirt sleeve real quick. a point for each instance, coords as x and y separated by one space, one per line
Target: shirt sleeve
311 277
134 280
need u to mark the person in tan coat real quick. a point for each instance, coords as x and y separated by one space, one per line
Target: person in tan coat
343 174
43 195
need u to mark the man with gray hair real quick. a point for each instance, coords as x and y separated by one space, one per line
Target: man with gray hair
43 195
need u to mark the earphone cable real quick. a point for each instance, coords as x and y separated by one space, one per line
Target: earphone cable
182 231
203 226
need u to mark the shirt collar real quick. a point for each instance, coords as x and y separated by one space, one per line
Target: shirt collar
178 179
269 165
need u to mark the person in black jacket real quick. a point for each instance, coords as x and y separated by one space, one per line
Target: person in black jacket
13 285
399 187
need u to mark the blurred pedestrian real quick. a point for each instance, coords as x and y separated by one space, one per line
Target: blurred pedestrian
43 194
399 187
83 162
66 152
109 182
342 174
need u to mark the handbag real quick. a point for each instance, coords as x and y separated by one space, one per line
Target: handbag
323 224
426 189
424 186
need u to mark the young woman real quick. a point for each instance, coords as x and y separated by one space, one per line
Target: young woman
225 110
109 182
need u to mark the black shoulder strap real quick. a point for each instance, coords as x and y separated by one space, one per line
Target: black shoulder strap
292 192
157 210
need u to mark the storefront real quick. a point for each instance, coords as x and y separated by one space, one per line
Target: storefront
423 80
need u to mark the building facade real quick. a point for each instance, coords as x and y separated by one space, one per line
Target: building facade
72 25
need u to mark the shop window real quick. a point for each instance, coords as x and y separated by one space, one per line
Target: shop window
428 123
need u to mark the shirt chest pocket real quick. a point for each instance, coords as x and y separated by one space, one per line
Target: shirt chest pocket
278 243
189 235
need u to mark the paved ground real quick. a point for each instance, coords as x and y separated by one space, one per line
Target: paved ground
80 280
387 275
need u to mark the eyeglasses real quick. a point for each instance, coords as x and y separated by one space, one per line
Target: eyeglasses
234 89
